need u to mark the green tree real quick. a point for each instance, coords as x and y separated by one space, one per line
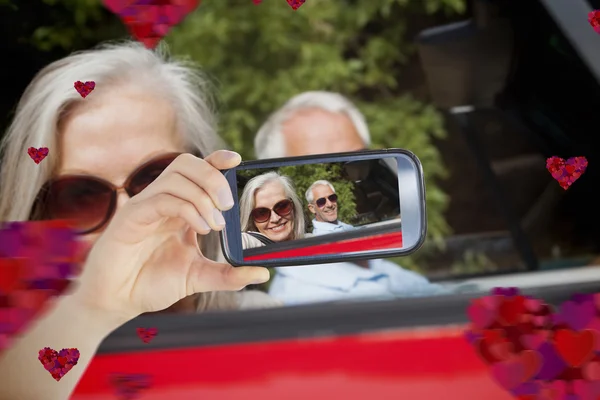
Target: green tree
260 56
263 55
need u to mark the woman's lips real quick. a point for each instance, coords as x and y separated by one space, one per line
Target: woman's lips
278 228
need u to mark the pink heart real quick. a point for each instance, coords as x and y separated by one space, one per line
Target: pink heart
586 390
480 315
151 21
518 369
591 371
533 341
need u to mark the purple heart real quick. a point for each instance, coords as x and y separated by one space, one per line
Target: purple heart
552 363
507 292
576 315
471 336
526 388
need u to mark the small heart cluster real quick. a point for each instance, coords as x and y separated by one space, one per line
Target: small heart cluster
534 352
128 386
566 172
58 363
146 334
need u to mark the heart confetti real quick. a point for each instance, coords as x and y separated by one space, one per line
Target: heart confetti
127 386
566 172
257 2
534 352
594 20
147 334
37 260
295 4
84 89
58 363
37 155
150 20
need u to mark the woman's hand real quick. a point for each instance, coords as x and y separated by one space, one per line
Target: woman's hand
148 258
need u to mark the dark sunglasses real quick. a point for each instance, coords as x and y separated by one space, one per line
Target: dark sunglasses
282 208
89 202
321 202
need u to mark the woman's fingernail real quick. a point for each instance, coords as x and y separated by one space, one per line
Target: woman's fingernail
225 198
258 281
204 224
218 217
230 154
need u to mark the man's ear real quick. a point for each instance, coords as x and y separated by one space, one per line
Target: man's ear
311 208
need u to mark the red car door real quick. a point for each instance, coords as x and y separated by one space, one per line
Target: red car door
401 349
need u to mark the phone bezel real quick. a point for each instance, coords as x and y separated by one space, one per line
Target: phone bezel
412 208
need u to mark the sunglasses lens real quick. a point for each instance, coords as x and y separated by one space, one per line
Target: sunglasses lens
84 202
261 214
333 198
283 208
148 174
321 202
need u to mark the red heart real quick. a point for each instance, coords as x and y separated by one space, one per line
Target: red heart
84 88
58 363
30 279
511 309
150 20
575 348
295 4
147 334
37 155
594 20
566 172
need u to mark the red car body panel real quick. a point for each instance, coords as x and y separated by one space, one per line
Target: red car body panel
431 363
370 243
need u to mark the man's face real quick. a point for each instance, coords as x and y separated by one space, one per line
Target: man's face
313 131
328 212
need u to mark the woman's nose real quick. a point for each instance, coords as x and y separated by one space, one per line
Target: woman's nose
122 198
274 216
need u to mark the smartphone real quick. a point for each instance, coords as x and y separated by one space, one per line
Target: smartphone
326 208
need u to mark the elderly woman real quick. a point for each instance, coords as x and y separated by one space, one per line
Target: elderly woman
270 211
134 167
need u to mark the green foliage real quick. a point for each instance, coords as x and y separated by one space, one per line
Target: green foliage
263 55
73 24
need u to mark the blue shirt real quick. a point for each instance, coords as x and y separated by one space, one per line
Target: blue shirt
343 281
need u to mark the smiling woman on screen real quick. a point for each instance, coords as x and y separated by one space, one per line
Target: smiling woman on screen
133 165
270 211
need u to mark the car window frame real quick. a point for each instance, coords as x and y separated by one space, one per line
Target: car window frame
311 320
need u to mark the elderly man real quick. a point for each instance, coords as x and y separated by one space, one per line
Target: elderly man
322 202
319 123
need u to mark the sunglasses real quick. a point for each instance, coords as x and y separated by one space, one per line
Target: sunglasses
321 202
89 202
282 208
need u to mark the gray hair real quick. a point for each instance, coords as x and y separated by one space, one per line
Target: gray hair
51 94
247 201
309 192
269 141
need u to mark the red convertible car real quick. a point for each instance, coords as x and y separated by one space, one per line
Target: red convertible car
410 348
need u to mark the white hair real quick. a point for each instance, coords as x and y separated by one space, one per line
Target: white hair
269 141
247 201
310 197
51 95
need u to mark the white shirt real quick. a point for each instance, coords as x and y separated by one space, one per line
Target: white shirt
342 281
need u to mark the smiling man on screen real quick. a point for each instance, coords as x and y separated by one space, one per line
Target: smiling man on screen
322 202
319 123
